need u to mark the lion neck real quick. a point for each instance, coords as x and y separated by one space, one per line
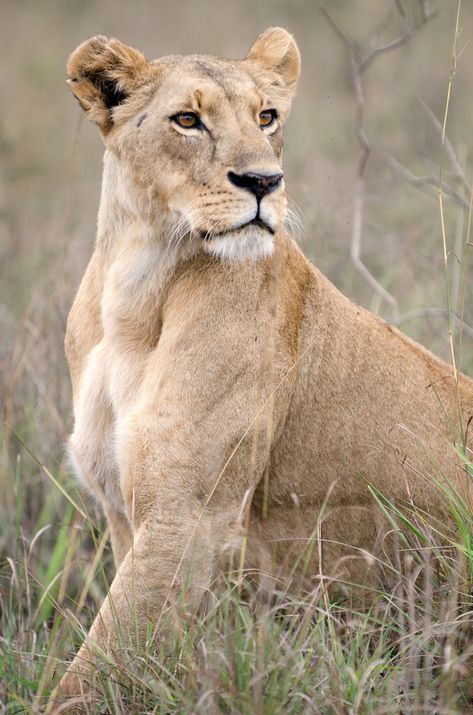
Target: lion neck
130 213
139 254
139 258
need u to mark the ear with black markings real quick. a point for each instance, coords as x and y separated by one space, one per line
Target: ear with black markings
102 74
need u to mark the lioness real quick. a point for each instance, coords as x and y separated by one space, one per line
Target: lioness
229 402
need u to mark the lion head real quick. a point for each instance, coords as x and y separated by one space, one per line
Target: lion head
194 143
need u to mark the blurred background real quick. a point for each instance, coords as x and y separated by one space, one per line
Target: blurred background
50 172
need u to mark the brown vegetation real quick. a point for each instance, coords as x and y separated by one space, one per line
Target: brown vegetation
49 184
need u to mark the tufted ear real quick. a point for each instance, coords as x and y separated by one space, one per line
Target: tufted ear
102 73
276 49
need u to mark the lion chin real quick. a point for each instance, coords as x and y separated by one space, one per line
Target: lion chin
248 243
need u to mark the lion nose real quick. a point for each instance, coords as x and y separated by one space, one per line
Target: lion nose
259 184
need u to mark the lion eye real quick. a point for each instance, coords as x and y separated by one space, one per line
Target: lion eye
267 117
187 120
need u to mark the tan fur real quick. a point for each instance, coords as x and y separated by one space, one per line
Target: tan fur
214 369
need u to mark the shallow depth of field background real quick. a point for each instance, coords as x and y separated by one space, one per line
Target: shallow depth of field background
50 172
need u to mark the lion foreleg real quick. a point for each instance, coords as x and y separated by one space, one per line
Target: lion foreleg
172 552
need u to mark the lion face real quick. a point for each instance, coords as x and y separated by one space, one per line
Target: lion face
194 143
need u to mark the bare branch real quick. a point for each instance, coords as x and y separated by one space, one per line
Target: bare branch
347 41
398 42
432 313
357 68
450 151
401 11
403 38
359 192
426 181
425 10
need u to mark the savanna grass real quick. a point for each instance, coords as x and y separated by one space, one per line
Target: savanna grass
410 650
313 650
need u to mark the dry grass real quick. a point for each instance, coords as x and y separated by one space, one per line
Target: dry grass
412 651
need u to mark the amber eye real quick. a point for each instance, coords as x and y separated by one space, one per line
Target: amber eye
187 120
267 117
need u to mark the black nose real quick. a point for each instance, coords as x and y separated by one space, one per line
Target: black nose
258 184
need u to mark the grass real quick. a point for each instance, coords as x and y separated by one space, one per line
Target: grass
411 649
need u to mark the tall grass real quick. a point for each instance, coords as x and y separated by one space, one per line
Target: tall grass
410 650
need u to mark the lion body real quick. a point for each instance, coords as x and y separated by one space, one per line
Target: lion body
318 373
228 399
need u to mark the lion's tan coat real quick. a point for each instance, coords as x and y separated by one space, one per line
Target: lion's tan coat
207 390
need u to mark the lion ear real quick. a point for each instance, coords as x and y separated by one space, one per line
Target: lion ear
102 73
276 49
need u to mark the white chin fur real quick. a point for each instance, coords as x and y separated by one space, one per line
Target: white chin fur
252 243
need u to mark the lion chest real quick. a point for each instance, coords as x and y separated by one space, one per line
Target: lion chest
110 385
109 390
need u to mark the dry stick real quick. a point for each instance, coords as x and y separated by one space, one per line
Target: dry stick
359 197
440 194
464 274
357 69
399 41
394 44
425 9
449 150
426 181
433 313
459 174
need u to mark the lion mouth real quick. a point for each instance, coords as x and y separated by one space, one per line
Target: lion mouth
262 224
257 221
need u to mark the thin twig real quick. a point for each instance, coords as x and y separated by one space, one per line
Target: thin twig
425 10
359 66
432 313
401 11
394 44
347 41
403 38
426 181
359 197
359 192
464 272
449 150
440 195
